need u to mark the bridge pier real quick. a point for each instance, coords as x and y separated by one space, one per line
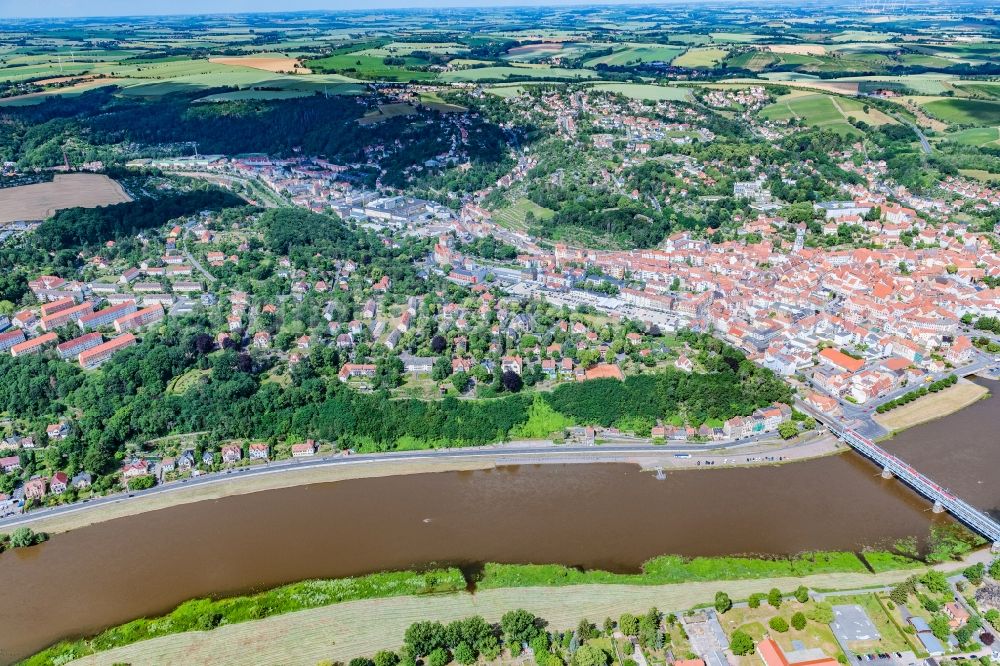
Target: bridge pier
886 473
996 547
938 507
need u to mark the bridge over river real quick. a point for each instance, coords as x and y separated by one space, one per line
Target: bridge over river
892 466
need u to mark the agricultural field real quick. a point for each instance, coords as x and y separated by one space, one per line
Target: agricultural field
637 53
707 56
532 52
955 111
41 200
755 61
371 67
646 91
277 64
502 73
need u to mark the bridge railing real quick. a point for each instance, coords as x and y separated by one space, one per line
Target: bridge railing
974 518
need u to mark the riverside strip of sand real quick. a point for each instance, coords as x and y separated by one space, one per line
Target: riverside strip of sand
285 475
932 406
360 628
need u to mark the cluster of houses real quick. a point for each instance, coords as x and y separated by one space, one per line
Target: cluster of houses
760 422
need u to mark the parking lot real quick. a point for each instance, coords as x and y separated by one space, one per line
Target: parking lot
851 623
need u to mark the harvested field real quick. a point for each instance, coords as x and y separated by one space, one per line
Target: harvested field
39 201
545 47
277 64
932 406
798 49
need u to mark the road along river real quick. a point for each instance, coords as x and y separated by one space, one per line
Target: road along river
608 516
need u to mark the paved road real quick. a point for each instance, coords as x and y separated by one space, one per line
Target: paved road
194 262
924 143
521 452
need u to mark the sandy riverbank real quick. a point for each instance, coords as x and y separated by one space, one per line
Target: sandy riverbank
457 460
932 406
361 628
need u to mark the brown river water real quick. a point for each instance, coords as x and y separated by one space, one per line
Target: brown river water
604 516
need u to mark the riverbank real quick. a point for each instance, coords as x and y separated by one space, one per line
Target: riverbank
932 406
295 472
342 631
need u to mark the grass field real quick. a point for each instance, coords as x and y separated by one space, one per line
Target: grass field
509 90
386 111
979 174
923 84
646 91
977 136
433 100
513 216
818 110
989 90
956 111
39 201
708 56
635 53
932 406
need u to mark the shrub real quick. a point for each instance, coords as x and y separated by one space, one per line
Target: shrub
741 643
779 624
799 621
722 602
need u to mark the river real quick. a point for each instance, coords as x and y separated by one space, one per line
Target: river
604 516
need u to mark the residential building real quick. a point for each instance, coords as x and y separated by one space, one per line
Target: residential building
94 357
